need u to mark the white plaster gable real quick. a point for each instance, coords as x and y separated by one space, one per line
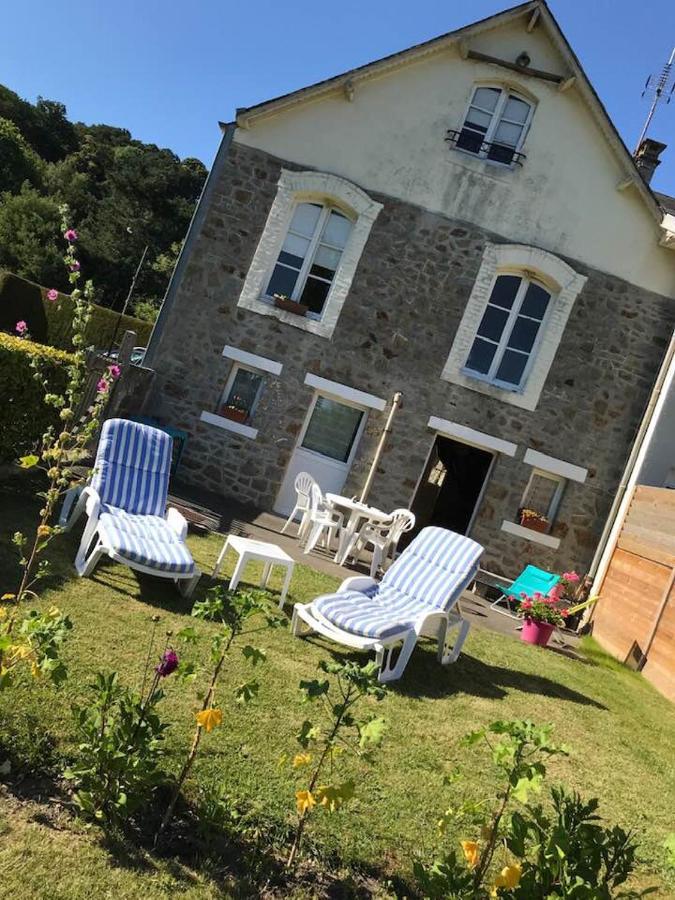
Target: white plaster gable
390 138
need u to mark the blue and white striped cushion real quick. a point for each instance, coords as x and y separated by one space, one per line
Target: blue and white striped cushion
145 540
431 574
132 467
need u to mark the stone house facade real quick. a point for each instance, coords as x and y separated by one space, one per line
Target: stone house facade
524 352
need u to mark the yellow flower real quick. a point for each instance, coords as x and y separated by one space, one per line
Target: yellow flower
305 801
301 759
44 531
509 877
471 853
209 718
8 597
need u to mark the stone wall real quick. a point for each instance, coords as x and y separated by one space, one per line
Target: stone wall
394 333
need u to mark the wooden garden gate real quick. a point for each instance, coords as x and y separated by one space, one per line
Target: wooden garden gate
635 616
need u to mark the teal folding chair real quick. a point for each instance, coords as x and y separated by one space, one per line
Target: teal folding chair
530 580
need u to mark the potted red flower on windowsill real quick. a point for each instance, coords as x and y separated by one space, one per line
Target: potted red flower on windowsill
541 614
281 301
535 521
234 413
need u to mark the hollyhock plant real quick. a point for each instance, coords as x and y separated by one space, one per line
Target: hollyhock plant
102 386
74 266
21 328
167 664
52 295
115 372
70 235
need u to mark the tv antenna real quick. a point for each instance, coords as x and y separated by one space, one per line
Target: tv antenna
661 86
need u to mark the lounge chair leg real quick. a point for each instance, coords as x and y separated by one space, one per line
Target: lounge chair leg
299 628
383 658
449 653
186 586
81 560
66 520
87 566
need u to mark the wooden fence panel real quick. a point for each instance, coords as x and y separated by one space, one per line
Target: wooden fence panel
637 596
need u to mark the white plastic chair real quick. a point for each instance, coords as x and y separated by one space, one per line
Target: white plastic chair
303 484
384 537
321 518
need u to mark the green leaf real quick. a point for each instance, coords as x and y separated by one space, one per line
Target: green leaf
371 733
314 689
27 462
188 634
246 692
526 784
307 733
254 655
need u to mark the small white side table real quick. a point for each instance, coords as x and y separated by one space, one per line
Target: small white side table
247 550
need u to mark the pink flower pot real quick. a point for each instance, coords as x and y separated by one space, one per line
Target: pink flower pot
536 632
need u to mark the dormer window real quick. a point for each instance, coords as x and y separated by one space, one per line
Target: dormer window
495 125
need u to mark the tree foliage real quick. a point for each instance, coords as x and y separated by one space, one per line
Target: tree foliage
123 193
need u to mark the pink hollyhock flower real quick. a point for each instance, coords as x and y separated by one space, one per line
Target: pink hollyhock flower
523 595
526 604
102 386
115 372
70 235
538 595
52 295
564 613
167 664
570 576
74 266
21 327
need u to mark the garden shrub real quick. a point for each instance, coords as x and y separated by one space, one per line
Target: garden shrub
21 300
100 328
24 415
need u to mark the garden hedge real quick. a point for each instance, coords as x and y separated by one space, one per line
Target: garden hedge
24 416
49 322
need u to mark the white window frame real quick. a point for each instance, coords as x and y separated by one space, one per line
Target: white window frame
526 278
358 434
308 262
558 277
506 92
555 499
238 367
309 187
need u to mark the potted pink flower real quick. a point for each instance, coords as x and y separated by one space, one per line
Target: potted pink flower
541 614
282 301
535 521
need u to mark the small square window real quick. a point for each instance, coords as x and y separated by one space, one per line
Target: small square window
540 501
241 394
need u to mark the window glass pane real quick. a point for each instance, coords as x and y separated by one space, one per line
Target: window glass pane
327 258
282 281
471 141
493 322
314 294
535 302
523 334
505 290
486 98
337 229
516 110
332 429
244 390
305 218
296 245
508 134
477 119
511 367
480 356
501 153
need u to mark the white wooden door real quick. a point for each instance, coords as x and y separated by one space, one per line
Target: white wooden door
325 448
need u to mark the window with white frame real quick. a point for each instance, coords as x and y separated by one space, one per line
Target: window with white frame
241 394
541 500
495 125
310 255
315 233
508 333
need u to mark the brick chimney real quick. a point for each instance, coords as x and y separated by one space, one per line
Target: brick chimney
647 157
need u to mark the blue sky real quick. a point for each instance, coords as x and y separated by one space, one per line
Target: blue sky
169 71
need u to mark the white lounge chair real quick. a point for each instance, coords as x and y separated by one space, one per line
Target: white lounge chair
126 506
417 597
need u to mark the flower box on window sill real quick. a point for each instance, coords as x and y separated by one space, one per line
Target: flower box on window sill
234 413
292 306
534 521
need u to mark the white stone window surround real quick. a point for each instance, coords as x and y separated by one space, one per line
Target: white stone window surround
555 466
252 360
343 392
228 425
531 262
313 187
471 436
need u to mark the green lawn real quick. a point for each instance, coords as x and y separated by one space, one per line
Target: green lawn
620 731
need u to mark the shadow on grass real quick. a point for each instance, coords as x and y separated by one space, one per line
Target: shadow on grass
424 677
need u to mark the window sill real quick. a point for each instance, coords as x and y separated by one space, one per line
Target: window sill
522 397
322 328
546 540
229 425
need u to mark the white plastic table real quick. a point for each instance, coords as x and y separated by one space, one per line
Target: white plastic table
247 549
357 511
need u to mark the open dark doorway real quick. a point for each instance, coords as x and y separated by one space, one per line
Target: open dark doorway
451 485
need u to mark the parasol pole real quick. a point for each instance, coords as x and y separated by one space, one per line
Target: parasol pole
380 447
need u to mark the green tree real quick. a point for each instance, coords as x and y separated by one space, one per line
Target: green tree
29 237
18 162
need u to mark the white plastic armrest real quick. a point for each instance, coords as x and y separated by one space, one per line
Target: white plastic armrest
93 505
357 583
176 522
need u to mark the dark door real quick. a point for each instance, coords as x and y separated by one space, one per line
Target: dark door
451 485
